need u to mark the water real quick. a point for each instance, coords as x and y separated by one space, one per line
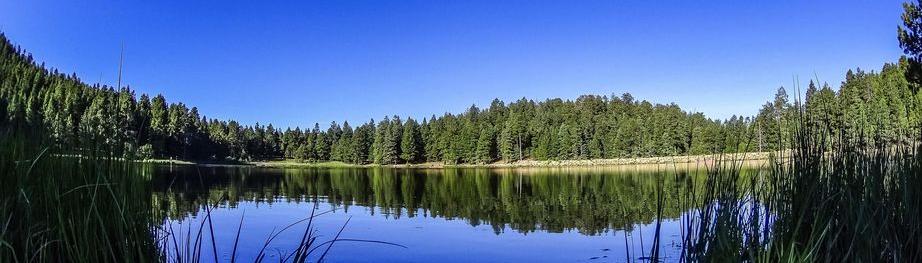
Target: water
451 215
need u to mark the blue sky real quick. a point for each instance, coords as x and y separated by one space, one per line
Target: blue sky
299 62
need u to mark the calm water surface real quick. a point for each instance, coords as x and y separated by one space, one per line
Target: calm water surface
451 215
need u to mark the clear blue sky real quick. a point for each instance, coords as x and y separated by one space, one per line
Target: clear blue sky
300 62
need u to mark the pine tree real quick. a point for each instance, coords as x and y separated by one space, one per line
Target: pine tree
411 143
431 134
143 120
159 121
321 147
390 152
509 141
910 38
486 145
382 133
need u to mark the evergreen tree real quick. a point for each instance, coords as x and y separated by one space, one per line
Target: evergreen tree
486 145
159 121
910 38
411 143
382 133
362 142
390 147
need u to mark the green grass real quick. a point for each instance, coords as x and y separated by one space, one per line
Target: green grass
70 209
829 199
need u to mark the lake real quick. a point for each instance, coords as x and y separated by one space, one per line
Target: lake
434 215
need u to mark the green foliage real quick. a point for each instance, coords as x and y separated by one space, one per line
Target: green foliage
71 208
486 145
586 128
411 144
910 37
835 197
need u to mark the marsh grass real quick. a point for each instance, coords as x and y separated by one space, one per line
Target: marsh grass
828 199
56 208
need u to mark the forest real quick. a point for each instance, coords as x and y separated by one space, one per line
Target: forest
117 120
843 185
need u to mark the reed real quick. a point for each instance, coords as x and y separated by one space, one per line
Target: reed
63 208
828 199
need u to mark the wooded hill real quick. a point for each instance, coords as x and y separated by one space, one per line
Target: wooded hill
114 119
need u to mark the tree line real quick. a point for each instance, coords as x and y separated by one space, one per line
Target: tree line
115 119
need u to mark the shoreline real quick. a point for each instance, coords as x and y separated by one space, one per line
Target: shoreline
752 158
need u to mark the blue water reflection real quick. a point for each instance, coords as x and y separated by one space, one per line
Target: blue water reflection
463 215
